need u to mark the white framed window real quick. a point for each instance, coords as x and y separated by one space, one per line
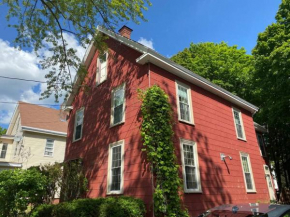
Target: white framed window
115 168
4 150
190 166
247 171
118 105
78 127
239 126
49 146
261 144
102 65
184 104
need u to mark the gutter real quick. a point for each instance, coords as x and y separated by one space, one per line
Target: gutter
8 164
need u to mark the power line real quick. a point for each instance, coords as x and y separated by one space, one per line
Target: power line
30 103
22 79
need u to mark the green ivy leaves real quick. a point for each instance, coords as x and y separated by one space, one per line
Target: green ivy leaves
157 134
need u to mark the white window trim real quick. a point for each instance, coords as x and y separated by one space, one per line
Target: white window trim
251 172
98 70
242 124
75 140
122 143
52 148
188 142
178 83
122 86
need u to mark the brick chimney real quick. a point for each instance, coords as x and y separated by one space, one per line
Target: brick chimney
125 31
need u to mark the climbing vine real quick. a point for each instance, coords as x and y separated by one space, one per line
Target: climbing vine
157 135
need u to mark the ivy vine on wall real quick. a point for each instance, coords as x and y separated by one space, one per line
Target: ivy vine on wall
157 135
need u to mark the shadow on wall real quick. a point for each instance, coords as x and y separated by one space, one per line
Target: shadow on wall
98 134
212 174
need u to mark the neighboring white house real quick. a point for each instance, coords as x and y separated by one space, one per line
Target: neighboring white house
35 136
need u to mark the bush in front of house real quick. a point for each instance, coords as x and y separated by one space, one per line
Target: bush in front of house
122 206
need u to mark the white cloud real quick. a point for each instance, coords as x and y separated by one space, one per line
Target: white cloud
148 43
23 64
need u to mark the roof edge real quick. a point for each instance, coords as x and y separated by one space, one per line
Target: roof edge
38 130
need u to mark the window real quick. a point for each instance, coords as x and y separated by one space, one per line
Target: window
48 151
239 124
118 105
79 124
4 150
190 168
248 175
101 74
116 168
261 144
184 105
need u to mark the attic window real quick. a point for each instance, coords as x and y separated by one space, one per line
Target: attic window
101 73
239 124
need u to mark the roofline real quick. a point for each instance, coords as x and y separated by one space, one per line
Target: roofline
7 137
260 128
12 119
149 55
10 164
38 130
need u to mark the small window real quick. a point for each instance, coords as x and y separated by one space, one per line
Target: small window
248 174
239 124
184 103
48 151
101 74
190 168
4 150
118 105
261 144
115 168
79 124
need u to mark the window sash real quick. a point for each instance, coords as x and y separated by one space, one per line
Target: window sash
184 103
238 124
115 168
247 170
78 124
101 74
4 150
48 150
190 166
118 105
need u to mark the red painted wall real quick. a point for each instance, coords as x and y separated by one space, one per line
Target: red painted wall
213 131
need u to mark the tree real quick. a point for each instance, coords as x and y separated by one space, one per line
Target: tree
45 23
272 79
20 189
2 131
224 65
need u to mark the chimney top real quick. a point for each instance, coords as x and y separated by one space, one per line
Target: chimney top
125 31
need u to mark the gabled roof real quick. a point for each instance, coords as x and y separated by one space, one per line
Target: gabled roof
39 119
150 56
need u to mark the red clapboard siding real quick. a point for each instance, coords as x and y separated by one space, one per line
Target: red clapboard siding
213 131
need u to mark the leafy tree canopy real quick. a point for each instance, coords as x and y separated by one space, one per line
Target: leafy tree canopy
224 65
2 131
272 79
40 23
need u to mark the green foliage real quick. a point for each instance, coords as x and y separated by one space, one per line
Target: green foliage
20 188
54 176
74 183
45 24
101 207
271 78
224 65
2 131
157 135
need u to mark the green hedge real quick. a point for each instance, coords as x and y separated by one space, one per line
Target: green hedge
101 207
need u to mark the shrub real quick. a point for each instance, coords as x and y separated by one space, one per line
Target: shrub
101 207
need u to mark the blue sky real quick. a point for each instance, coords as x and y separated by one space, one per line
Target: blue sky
172 26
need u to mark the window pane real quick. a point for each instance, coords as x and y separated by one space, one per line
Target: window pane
4 150
118 106
78 132
184 111
118 97
116 168
249 181
118 114
190 173
245 164
261 144
239 130
182 93
188 155
80 116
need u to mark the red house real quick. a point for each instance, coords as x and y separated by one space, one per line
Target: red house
215 139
